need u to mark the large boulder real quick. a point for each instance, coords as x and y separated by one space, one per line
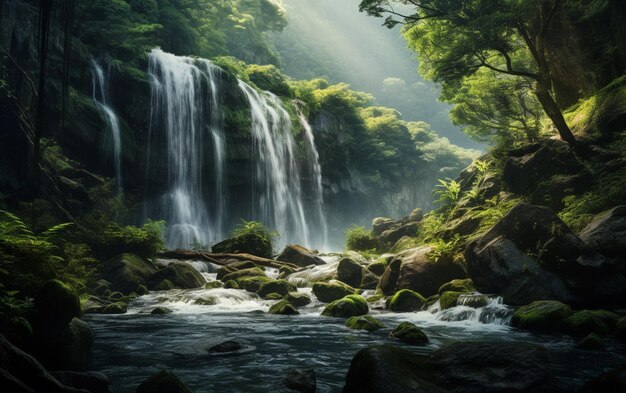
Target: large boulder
415 269
350 272
299 256
606 233
298 299
283 307
394 234
180 274
468 367
542 315
249 243
330 291
163 382
405 300
56 304
349 306
127 272
584 322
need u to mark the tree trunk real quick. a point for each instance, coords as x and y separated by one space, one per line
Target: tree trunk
554 113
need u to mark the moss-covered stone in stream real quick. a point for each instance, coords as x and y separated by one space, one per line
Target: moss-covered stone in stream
283 307
233 267
592 342
273 296
410 334
542 315
252 284
213 285
231 284
250 272
115 308
280 287
346 307
164 285
405 300
364 322
298 299
378 267
249 243
163 382
161 311
56 304
583 322
465 285
448 299
330 291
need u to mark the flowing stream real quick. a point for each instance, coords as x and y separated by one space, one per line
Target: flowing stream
100 95
132 346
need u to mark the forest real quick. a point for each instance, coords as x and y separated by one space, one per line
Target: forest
383 196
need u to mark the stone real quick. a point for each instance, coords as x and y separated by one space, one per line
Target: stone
164 285
583 322
253 284
299 256
405 300
364 322
381 224
249 243
416 215
233 267
231 284
448 299
163 382
225 346
369 280
330 291
591 342
392 235
273 296
213 285
606 233
349 306
301 380
281 287
378 267
161 311
298 299
410 334
181 274
127 272
115 308
473 300
468 367
349 272
459 285
56 305
283 307
250 272
416 270
542 315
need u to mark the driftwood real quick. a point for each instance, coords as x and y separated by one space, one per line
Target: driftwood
221 259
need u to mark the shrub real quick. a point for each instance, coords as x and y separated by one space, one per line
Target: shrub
254 228
360 239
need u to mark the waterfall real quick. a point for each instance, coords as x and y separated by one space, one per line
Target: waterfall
320 240
100 96
185 109
279 194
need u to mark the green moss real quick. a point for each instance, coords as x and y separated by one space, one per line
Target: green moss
542 315
283 308
250 272
298 299
360 239
585 322
280 287
252 284
349 306
410 334
591 342
364 322
465 285
448 299
164 285
161 311
330 291
405 300
232 284
213 285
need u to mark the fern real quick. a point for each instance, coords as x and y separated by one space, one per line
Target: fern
448 192
13 226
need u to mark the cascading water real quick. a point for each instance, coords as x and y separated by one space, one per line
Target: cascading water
185 108
319 240
279 195
99 84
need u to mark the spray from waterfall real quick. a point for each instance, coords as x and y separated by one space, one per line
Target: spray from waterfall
99 83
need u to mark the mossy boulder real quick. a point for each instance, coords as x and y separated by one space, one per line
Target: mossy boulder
273 296
591 342
349 306
163 382
364 322
249 272
378 267
285 271
181 274
128 272
164 285
115 308
349 272
161 311
231 284
459 285
56 305
584 322
299 256
283 308
405 300
369 280
620 329
253 284
233 267
298 299
542 315
448 299
410 334
333 290
205 301
281 287
213 285
249 243
375 297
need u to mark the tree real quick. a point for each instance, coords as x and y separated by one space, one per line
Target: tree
457 38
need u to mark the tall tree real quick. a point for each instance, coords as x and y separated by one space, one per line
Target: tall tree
457 38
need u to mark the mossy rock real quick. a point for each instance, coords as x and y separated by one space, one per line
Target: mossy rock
233 267
430 301
164 285
465 285
285 271
364 322
542 315
405 300
161 311
142 290
349 306
127 272
333 290
473 300
584 322
349 272
250 272
298 299
56 305
205 301
448 299
620 329
280 287
249 243
253 284
115 308
592 342
375 297
231 284
181 274
410 334
378 267
163 382
213 285
273 296
283 308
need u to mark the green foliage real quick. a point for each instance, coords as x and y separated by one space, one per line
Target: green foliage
446 249
254 228
114 239
269 78
448 192
361 239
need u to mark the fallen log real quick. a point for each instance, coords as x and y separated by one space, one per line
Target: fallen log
221 259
